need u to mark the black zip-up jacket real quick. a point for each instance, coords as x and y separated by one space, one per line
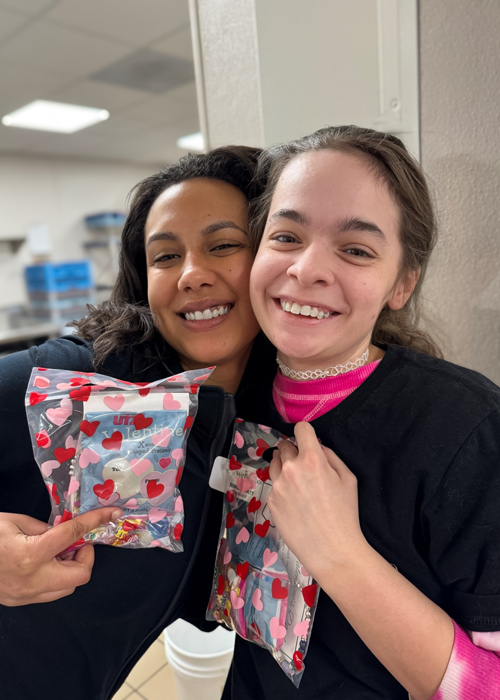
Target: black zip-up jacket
83 646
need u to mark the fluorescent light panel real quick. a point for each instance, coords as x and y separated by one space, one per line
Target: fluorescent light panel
192 142
44 115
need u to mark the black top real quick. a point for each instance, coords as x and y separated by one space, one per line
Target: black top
422 437
84 646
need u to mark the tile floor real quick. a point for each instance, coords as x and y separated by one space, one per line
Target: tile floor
151 678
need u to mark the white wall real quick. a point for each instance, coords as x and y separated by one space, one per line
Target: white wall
460 148
59 193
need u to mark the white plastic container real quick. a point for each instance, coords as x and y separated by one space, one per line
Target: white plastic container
200 660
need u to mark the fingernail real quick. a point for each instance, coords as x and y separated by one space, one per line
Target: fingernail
116 514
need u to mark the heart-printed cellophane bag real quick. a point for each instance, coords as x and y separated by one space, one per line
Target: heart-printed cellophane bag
260 589
101 441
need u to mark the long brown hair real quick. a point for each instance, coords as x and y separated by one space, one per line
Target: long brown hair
406 182
126 319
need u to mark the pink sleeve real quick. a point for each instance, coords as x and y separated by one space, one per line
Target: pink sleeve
474 668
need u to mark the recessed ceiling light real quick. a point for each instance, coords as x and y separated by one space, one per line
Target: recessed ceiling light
54 116
192 142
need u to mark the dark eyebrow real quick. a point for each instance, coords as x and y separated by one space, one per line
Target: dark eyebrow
291 215
354 223
212 228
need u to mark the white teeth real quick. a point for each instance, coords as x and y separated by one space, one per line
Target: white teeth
207 313
305 310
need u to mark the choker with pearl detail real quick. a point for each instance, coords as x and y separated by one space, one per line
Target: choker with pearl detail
322 373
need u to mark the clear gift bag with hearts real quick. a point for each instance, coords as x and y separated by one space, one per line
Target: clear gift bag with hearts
260 590
100 441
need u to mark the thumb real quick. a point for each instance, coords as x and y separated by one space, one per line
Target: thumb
61 536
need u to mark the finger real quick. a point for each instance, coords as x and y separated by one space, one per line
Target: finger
287 450
275 465
85 556
25 524
335 462
62 536
306 437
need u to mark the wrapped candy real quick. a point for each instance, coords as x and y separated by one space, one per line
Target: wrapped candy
100 441
260 589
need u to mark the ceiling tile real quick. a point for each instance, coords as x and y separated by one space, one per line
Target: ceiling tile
30 7
93 94
176 105
178 44
19 85
125 20
22 140
50 46
10 22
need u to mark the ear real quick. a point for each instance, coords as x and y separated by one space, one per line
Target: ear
403 290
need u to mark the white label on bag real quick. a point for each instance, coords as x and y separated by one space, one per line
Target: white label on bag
217 479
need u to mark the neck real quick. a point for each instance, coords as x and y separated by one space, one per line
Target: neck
306 371
228 374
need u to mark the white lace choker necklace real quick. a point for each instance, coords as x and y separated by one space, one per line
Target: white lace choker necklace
322 373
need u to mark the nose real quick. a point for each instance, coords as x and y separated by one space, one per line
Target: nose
195 273
313 266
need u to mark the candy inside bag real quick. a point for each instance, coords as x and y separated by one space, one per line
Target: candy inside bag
260 589
100 441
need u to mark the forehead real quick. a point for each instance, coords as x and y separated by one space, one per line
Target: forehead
331 184
196 199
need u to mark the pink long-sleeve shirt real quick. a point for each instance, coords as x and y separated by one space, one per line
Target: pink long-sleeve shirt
473 670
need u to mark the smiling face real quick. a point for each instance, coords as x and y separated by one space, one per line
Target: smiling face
329 260
198 267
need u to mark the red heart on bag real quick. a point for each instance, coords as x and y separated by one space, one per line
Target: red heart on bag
188 423
254 505
52 489
114 442
141 422
42 439
220 585
309 594
164 462
279 592
297 660
89 428
234 464
66 516
179 476
230 496
78 381
144 392
178 531
242 569
63 455
105 490
256 629
81 394
230 520
261 530
263 474
35 398
154 488
262 446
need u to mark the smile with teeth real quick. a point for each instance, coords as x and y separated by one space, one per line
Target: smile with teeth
306 310
206 314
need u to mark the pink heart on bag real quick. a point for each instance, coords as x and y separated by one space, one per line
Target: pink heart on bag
179 504
41 382
257 599
169 403
301 628
139 466
58 416
238 440
156 514
277 630
252 453
109 501
70 443
73 487
162 438
47 467
236 602
242 536
245 484
64 387
131 504
304 572
265 428
87 457
227 557
269 557
114 402
177 454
